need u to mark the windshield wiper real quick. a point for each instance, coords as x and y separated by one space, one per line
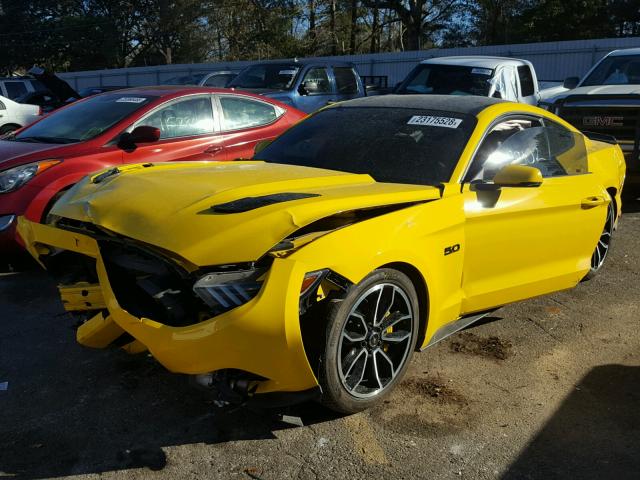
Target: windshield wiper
45 140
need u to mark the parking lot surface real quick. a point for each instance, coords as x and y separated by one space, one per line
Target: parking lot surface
548 388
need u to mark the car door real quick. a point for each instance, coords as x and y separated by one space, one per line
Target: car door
529 240
246 121
189 130
316 89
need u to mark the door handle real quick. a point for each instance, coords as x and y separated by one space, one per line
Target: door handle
594 201
213 149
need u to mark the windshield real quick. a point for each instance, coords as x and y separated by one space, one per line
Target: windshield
447 80
616 70
84 120
279 76
185 80
396 145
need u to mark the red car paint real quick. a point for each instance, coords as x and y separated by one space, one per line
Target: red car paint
34 198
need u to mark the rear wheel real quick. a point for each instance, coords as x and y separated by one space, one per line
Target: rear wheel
604 243
371 335
8 128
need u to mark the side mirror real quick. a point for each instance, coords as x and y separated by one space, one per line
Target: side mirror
261 145
308 87
518 176
141 134
571 82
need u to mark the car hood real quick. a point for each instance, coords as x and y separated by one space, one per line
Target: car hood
213 213
11 151
601 90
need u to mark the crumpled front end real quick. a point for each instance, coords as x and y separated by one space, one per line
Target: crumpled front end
139 299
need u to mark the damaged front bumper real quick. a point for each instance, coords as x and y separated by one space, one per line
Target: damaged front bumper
261 337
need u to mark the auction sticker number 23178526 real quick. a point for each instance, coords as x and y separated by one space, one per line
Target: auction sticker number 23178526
431 121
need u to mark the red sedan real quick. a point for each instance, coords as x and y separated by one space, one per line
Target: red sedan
147 124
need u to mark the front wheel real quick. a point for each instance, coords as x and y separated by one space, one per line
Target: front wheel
371 335
604 243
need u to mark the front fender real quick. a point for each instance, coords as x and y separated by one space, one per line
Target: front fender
417 236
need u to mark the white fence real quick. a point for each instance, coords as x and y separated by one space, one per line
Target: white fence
553 61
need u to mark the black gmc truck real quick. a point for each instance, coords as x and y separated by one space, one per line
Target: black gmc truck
607 103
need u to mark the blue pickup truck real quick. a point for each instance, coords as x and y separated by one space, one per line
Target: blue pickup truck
306 85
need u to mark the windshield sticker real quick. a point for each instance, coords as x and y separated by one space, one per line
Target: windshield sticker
287 72
482 71
130 100
429 121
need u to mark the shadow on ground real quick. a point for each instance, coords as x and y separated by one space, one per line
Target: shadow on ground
70 410
595 434
631 199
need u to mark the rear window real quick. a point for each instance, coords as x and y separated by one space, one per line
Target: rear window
15 89
396 145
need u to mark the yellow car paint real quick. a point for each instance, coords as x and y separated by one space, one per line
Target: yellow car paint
524 242
81 296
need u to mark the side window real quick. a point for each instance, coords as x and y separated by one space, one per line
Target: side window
184 118
526 81
566 148
346 80
241 112
320 78
550 148
15 89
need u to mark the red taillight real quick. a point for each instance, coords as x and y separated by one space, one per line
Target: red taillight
40 110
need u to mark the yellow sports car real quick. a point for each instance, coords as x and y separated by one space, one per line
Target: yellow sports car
371 229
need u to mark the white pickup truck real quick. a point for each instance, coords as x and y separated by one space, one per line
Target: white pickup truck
607 102
500 77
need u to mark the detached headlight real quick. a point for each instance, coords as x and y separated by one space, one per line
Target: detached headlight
16 177
223 291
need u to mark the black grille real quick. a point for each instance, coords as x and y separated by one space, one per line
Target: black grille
622 123
148 285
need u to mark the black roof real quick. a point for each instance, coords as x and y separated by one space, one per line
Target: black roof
464 104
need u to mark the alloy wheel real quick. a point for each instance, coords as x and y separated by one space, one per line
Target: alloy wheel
376 340
600 253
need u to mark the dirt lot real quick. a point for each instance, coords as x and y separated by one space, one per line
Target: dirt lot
551 390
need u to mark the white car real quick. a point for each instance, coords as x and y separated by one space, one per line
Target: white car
15 115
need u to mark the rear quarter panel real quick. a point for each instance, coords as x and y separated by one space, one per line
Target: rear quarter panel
606 161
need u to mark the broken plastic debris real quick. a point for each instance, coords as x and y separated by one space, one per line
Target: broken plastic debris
291 420
4 386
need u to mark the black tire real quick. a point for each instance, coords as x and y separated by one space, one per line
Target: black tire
352 329
8 128
46 214
604 243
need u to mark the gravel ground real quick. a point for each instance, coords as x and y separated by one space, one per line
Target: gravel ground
551 390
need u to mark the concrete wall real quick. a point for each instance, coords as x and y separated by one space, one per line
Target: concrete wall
553 61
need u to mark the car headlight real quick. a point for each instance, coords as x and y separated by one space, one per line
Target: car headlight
16 177
223 291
